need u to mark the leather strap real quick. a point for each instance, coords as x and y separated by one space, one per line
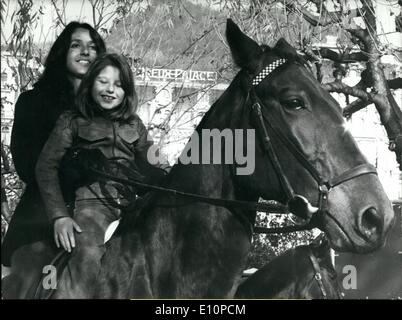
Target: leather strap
317 273
355 172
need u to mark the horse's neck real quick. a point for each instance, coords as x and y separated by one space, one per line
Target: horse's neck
207 180
214 180
292 270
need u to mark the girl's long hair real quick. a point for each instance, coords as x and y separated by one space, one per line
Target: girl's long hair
85 103
54 78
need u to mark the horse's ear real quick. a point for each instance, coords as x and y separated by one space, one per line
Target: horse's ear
245 51
285 50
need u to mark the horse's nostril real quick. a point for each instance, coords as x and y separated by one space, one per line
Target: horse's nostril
371 223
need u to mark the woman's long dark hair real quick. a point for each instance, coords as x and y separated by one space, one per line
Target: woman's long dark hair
55 76
85 103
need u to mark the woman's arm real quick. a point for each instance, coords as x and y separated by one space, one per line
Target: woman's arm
47 176
47 167
23 147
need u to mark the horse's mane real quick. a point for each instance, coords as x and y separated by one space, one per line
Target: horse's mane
232 92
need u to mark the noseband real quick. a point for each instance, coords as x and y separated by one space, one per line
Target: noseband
297 204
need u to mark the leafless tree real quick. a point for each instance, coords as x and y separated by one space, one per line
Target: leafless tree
305 22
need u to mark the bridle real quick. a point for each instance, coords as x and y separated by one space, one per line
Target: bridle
297 204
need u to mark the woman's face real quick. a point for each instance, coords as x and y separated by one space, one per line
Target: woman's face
81 53
107 91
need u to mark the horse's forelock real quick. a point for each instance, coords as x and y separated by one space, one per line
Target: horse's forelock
265 48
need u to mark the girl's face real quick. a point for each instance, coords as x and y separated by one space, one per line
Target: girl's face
81 53
107 91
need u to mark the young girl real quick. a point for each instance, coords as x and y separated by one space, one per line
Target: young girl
105 120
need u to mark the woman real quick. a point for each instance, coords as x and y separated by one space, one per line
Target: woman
36 112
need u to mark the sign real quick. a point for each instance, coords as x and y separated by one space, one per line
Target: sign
179 75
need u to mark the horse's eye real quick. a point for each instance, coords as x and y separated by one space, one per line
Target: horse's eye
294 104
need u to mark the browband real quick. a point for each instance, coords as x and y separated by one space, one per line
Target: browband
267 70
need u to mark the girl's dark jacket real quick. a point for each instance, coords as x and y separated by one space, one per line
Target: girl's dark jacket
128 142
35 115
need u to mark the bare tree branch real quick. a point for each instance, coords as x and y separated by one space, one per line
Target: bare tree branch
60 18
341 57
362 103
340 87
324 17
390 113
355 106
395 83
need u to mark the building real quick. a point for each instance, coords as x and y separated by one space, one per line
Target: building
9 94
10 87
172 102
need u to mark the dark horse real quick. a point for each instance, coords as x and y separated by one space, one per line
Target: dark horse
184 248
305 272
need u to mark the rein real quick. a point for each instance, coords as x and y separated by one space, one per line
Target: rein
229 204
245 205
317 273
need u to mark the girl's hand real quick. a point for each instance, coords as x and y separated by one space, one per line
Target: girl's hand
64 232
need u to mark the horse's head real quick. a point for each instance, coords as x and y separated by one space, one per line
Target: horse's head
312 274
305 272
317 156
